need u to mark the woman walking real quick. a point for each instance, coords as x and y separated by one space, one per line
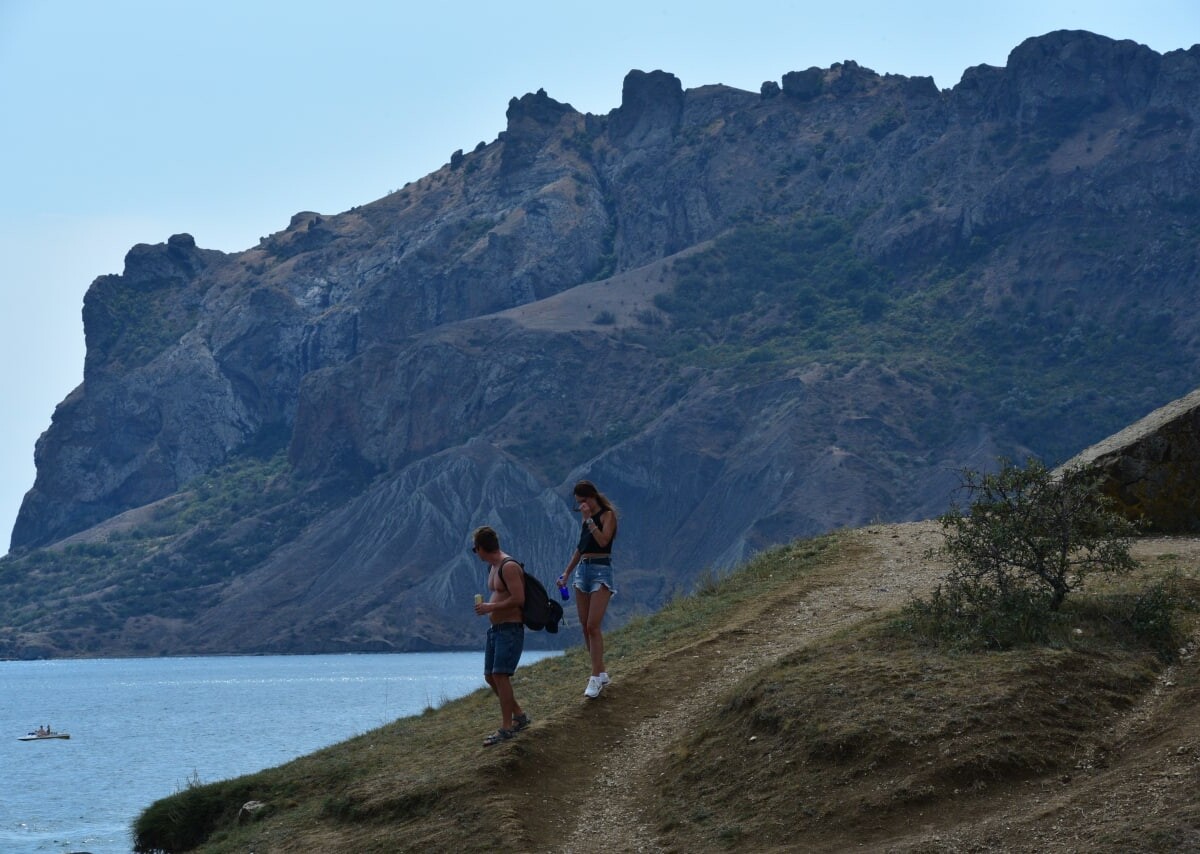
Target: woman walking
594 577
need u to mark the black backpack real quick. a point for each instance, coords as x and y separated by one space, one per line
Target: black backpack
539 611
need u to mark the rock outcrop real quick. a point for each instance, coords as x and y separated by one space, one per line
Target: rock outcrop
1152 468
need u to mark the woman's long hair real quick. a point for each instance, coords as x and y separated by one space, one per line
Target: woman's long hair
587 489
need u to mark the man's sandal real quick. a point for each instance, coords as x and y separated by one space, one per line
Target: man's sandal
521 721
498 736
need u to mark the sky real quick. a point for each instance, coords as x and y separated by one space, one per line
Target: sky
127 121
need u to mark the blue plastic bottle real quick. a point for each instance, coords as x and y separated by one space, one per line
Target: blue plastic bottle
564 592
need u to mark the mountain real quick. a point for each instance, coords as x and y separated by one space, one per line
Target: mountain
747 316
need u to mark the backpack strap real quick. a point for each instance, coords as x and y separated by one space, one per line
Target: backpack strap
500 569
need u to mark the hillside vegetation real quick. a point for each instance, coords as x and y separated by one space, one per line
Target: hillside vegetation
126 588
786 707
801 293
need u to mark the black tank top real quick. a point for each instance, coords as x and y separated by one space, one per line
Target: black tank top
588 544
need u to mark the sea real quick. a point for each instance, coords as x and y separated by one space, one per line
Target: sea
145 728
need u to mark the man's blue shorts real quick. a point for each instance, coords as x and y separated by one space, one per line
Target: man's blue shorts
504 644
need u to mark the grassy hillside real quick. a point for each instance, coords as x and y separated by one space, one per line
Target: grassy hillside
157 565
1029 352
786 707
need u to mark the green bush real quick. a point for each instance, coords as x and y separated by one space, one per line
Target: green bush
183 822
986 619
1031 528
1029 538
982 617
1153 617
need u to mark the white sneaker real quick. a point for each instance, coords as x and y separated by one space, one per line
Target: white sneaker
593 689
604 680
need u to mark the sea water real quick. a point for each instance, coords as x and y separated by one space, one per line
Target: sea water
142 729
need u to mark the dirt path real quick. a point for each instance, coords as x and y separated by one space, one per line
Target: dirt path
880 568
602 800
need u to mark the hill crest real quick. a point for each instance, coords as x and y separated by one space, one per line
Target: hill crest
698 743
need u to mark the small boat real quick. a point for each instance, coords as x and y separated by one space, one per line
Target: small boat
42 735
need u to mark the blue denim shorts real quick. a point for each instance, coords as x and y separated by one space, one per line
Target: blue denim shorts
589 575
504 644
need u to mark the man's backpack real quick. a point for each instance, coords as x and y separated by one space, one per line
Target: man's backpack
539 611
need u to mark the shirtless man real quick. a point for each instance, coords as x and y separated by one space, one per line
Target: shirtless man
506 634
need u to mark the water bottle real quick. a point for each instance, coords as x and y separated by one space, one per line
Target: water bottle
564 592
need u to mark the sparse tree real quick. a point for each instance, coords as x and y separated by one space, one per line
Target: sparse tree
1034 529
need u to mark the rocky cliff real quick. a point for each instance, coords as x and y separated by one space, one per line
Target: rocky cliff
748 316
1151 469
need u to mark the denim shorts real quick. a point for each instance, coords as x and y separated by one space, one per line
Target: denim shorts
504 644
590 575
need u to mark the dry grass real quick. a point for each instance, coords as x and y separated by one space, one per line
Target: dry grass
833 746
778 709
